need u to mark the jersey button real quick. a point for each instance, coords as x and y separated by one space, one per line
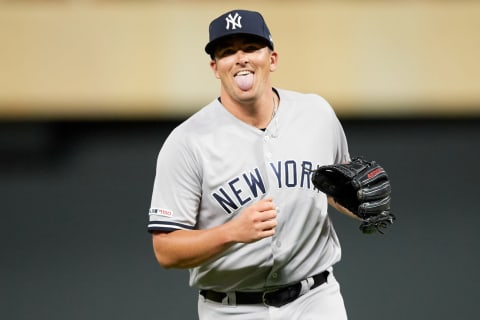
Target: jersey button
266 138
274 275
278 244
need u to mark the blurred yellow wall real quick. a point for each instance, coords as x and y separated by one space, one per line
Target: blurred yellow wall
138 59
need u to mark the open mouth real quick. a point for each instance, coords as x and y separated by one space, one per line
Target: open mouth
244 79
243 73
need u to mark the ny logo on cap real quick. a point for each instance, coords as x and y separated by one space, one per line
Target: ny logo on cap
234 21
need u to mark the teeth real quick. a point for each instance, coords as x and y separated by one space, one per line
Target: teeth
243 73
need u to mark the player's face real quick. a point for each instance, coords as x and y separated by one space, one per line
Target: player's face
243 66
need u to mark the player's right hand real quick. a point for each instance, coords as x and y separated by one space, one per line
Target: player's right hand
255 222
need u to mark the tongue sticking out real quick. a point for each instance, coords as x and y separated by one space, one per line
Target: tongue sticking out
245 81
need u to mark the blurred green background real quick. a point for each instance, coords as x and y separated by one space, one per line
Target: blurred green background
89 90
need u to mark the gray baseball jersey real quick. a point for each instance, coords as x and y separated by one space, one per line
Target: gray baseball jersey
213 165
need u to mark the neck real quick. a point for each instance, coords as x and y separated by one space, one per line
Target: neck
257 113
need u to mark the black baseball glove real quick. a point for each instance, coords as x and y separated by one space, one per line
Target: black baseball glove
360 186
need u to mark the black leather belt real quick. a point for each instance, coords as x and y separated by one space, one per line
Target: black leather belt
276 298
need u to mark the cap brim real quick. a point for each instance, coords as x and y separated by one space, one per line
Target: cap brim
211 46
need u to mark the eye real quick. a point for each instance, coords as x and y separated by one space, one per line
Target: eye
251 48
225 52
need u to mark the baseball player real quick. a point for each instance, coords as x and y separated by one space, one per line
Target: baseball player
233 199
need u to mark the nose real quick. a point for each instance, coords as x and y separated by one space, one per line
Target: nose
242 57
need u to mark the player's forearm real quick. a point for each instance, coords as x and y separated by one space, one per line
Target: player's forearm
189 248
341 209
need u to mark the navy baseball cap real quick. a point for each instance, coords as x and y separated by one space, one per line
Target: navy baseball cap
238 22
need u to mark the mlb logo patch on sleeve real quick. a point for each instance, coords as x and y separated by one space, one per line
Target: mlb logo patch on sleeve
160 212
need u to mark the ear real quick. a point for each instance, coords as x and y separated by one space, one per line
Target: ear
273 61
213 66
